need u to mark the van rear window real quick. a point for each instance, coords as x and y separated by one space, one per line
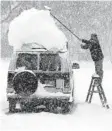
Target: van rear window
50 62
29 61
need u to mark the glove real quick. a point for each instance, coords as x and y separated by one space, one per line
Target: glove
83 40
81 46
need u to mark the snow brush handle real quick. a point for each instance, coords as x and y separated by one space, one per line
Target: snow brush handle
66 27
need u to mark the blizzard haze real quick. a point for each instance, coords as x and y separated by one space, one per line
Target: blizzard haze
36 26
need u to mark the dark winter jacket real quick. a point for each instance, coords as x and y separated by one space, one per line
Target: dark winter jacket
95 49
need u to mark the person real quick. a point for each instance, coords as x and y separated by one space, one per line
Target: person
96 53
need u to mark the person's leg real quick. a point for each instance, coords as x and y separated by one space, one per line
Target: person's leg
99 68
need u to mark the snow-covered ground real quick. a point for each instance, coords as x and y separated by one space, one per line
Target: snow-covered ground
85 117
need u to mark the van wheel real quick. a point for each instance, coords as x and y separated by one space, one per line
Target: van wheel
66 107
12 105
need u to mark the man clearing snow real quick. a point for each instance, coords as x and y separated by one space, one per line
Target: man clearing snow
96 53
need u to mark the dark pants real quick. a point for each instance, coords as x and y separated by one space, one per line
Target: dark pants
99 68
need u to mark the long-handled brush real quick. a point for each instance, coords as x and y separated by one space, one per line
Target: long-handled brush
48 8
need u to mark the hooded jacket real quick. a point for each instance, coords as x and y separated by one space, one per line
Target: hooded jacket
94 47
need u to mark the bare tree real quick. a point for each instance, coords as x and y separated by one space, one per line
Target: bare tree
11 6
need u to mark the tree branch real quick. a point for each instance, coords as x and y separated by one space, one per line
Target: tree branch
11 10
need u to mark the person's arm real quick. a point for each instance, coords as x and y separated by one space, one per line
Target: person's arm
87 44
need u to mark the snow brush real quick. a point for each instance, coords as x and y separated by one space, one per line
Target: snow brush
48 8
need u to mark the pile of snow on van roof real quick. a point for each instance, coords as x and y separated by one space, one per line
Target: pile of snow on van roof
36 26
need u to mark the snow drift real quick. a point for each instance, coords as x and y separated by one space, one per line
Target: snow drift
36 26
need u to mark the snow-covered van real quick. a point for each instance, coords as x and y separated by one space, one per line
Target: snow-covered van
40 78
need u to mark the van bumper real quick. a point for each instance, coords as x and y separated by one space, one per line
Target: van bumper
41 100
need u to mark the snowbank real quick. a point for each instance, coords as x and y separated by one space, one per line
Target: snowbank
36 26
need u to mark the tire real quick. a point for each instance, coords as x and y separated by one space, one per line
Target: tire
12 105
66 108
25 83
63 107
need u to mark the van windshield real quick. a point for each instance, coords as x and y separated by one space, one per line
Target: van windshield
27 60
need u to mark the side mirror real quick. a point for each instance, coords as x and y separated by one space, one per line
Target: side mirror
75 66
